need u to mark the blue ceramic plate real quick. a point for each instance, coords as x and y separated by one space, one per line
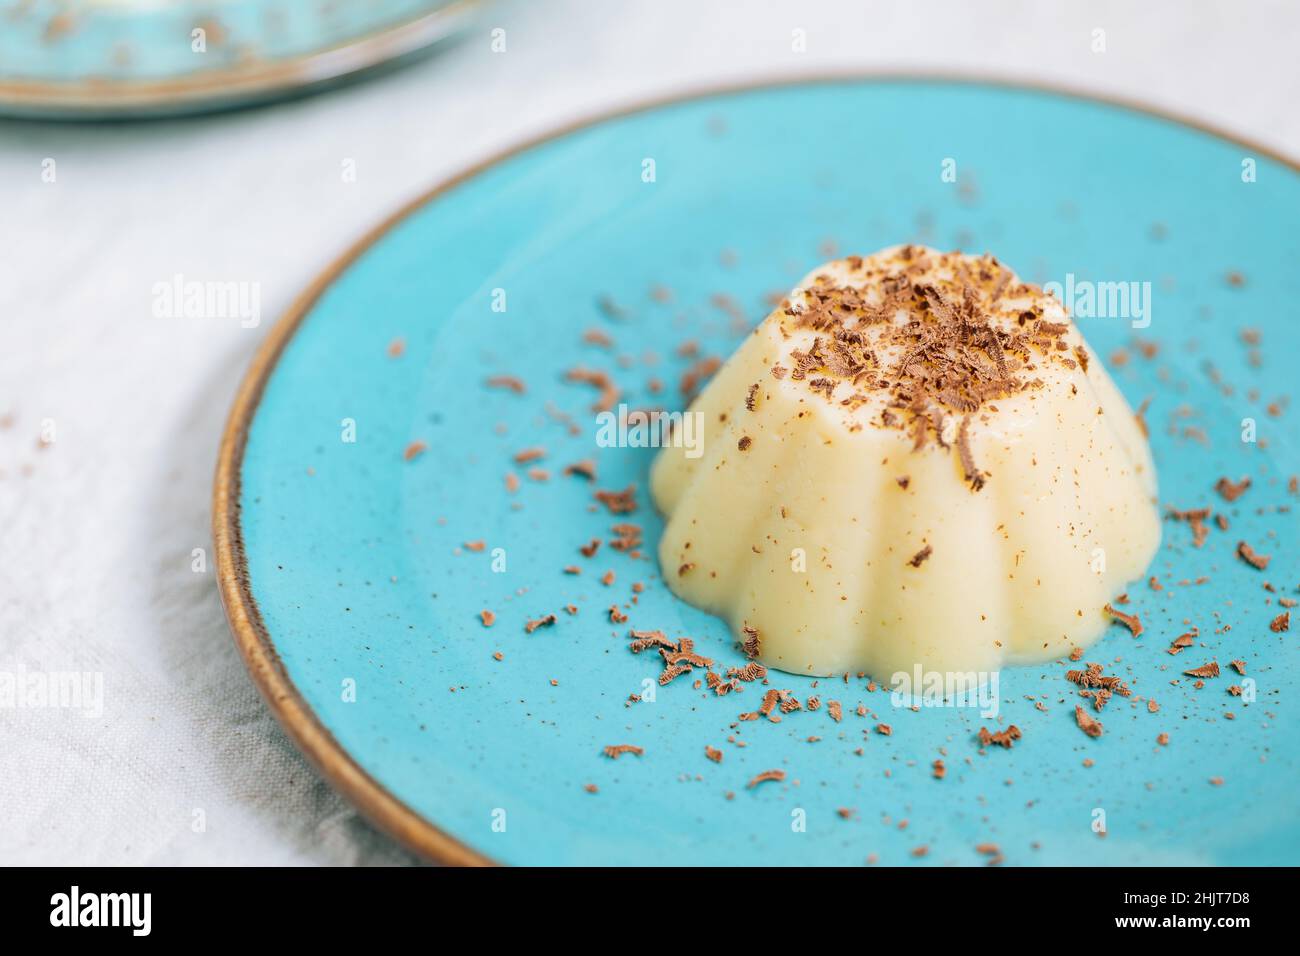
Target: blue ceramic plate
95 59
354 592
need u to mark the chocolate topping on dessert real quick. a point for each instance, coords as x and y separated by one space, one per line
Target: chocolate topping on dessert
940 335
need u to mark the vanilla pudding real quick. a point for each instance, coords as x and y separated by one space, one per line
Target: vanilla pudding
914 460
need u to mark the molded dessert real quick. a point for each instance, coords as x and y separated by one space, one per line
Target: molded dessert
914 460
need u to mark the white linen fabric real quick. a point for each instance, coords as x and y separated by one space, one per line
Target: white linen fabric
99 522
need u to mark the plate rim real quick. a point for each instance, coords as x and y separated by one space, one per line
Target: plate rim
377 803
104 98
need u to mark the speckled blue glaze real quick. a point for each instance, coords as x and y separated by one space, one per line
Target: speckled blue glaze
355 560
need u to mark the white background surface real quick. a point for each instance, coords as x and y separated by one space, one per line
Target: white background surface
96 531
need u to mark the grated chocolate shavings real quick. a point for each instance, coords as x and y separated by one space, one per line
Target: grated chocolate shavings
1280 623
750 672
646 639
672 672
1183 641
1094 678
1205 670
919 558
487 617
713 753
750 644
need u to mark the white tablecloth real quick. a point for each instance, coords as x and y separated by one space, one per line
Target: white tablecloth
97 528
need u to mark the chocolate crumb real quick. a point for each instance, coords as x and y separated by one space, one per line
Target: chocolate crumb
614 751
766 775
1002 738
1249 555
1086 722
695 376
971 473
1195 518
508 382
1230 491
547 621
583 469
618 502
1128 620
609 392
